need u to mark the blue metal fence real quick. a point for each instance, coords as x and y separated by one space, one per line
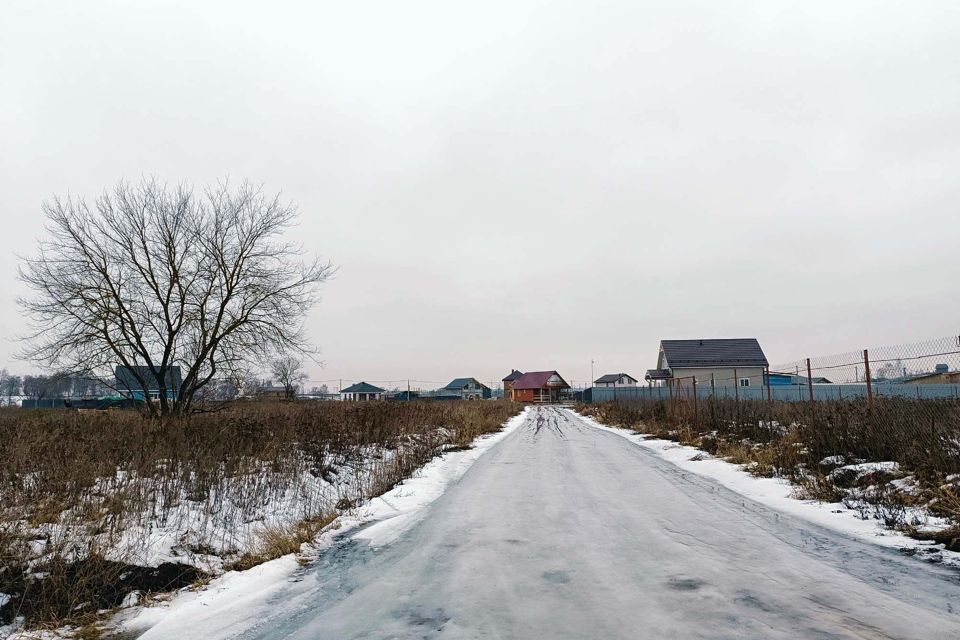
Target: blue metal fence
796 392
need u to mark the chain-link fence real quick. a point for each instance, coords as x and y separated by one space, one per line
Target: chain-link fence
922 370
889 403
928 370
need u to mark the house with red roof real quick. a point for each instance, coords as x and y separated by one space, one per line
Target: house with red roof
538 386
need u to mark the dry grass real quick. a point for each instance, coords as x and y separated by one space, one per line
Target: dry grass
278 541
82 482
923 436
790 439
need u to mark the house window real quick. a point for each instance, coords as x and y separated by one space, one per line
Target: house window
744 382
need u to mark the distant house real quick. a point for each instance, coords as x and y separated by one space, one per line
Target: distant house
272 392
361 391
940 375
469 389
719 361
615 380
508 381
128 382
538 386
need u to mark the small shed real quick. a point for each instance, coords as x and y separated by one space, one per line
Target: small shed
539 387
362 392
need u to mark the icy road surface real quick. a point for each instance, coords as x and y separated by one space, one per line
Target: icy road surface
566 531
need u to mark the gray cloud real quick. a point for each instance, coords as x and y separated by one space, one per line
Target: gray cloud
528 184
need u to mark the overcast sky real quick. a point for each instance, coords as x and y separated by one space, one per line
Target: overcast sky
527 184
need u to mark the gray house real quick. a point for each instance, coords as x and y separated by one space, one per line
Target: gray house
615 380
469 388
722 362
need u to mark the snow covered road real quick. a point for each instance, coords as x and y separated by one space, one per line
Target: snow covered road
563 530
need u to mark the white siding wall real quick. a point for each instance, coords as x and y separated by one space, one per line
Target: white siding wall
723 377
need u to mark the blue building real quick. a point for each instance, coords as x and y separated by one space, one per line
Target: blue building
779 379
139 383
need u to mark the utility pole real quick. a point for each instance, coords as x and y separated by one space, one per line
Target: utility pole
591 372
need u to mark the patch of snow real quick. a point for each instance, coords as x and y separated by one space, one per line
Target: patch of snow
217 610
864 468
907 485
222 608
778 493
132 599
832 461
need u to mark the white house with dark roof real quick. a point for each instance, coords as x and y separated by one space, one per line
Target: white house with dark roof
362 391
615 380
721 362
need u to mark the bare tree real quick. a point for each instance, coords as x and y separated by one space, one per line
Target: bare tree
160 278
288 370
10 385
253 384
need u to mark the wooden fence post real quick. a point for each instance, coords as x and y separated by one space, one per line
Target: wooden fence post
736 386
810 379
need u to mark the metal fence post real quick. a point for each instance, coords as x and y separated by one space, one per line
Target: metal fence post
866 375
810 379
696 412
670 398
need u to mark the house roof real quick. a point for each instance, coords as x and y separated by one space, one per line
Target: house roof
126 378
658 374
513 375
614 377
932 374
715 352
538 380
460 383
362 387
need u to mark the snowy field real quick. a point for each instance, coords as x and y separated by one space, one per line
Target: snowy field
225 605
175 517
